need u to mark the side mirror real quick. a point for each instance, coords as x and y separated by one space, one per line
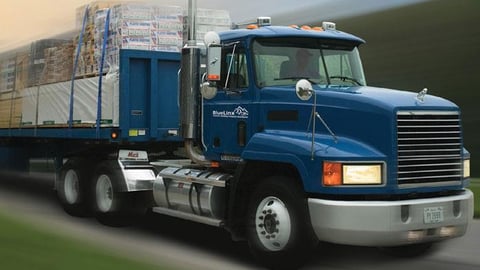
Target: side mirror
304 89
208 91
214 62
208 88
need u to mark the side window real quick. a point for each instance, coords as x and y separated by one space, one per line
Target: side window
234 69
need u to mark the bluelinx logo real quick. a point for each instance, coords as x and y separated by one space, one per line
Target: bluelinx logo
238 112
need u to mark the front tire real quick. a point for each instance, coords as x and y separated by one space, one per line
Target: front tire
279 230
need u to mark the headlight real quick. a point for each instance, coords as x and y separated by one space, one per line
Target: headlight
336 174
466 168
362 174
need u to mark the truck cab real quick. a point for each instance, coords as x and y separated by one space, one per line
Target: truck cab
376 167
381 141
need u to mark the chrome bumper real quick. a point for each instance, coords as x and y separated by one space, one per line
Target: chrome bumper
390 223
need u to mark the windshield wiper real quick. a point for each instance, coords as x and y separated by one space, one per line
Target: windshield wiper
344 78
292 78
311 80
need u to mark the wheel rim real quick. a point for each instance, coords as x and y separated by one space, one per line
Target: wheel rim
71 187
104 193
272 224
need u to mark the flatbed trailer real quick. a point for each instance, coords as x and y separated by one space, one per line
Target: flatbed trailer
146 102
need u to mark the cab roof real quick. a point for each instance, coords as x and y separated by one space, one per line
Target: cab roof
286 31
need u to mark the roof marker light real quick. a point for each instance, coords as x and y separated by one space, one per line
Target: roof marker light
329 26
264 21
306 27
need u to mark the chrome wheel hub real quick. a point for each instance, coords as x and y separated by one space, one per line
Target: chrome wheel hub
272 223
104 193
71 187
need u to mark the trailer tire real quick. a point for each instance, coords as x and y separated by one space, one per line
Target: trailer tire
111 206
279 231
72 188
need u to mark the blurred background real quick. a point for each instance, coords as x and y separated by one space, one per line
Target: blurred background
411 44
434 44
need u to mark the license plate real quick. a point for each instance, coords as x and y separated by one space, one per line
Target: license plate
433 215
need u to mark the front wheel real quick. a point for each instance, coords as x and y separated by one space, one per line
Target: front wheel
279 230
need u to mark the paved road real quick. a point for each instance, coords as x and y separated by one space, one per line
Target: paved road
195 246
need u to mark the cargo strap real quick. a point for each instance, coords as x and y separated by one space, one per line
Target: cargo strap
75 66
100 73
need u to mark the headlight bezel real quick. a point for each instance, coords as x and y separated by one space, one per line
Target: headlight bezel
333 173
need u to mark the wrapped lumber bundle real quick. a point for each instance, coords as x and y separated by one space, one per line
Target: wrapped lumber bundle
36 86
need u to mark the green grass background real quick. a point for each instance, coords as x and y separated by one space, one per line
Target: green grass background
26 247
475 187
434 44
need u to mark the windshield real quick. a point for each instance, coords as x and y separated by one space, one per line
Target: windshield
282 62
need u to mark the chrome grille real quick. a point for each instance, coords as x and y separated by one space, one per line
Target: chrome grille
429 148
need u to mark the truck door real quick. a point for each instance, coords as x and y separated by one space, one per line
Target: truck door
228 117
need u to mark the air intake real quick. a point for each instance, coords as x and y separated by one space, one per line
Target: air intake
429 148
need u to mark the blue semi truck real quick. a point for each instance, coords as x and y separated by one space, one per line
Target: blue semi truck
272 134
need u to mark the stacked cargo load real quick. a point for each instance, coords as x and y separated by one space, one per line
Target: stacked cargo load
86 15
14 76
49 105
7 74
168 29
22 64
38 51
58 64
10 110
138 27
211 20
91 9
36 87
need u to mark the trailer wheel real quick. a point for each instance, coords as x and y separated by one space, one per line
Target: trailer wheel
104 194
279 230
72 188
111 206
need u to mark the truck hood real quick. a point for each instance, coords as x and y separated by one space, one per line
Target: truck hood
384 99
351 120
369 114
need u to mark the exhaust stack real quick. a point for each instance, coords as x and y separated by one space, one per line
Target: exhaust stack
192 21
190 90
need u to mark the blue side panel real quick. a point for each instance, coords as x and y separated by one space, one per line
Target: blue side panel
168 99
148 95
138 88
